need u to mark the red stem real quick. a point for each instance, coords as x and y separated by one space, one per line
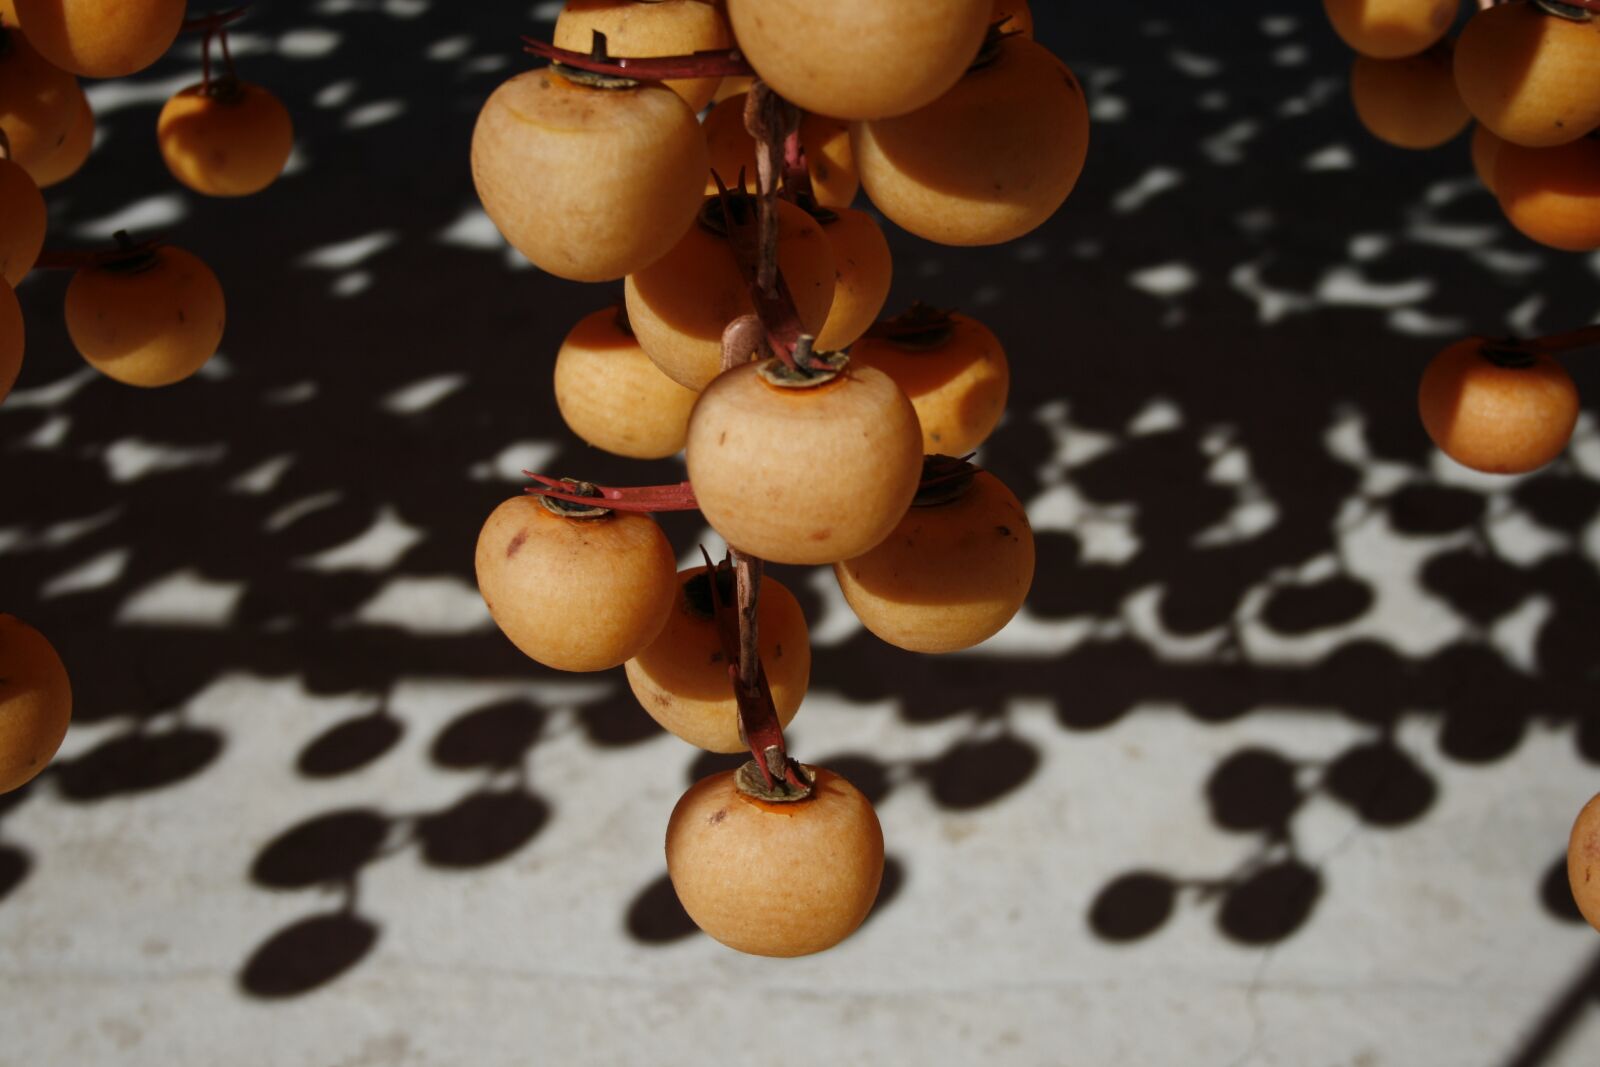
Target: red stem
775 304
641 498
715 64
227 56
1582 337
649 498
60 259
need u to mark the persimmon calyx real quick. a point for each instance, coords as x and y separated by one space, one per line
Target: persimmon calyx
944 478
919 327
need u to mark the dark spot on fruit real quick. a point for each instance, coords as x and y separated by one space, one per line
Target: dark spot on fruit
516 543
937 436
820 535
722 438
716 657
717 816
181 316
777 652
1005 531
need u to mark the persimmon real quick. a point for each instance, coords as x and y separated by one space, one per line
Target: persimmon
680 304
12 338
588 183
1485 151
1552 194
149 320
1583 861
1528 75
951 574
864 270
101 38
733 85
73 151
1410 102
37 99
1018 18
22 221
577 590
613 396
228 138
682 679
953 369
857 60
1498 413
806 475
989 160
35 702
775 879
1391 29
644 30
826 141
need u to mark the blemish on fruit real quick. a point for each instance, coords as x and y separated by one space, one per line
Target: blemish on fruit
1005 531
516 543
717 816
820 535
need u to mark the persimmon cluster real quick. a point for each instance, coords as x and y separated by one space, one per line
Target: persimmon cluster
750 337
221 137
1524 70
143 313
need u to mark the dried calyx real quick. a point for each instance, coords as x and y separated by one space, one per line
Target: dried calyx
724 213
920 328
989 51
128 257
944 479
1507 354
1575 12
225 90
697 595
810 369
569 509
784 788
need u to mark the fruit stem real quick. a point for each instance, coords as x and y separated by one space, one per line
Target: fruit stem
728 62
758 716
749 238
126 250
646 498
1582 337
